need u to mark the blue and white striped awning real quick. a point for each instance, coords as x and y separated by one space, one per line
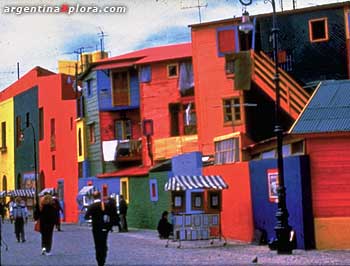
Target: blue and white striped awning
185 182
2 194
30 193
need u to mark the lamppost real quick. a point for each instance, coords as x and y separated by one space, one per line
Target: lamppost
283 242
29 124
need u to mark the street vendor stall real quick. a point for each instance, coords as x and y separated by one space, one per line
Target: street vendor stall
196 207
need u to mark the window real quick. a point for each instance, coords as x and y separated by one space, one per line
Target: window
80 143
80 169
197 200
4 183
121 89
52 134
71 123
122 129
41 123
53 162
27 119
183 119
18 131
153 189
297 147
124 188
80 106
172 70
92 137
318 30
227 151
268 154
89 87
232 110
178 201
214 200
3 136
174 110
226 40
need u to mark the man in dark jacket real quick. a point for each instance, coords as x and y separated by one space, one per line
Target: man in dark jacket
101 217
123 208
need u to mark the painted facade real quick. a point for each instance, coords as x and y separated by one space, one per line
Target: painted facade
47 101
7 169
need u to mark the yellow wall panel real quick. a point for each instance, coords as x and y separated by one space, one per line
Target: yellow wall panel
332 233
7 155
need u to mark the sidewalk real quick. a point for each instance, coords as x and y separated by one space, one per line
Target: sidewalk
74 246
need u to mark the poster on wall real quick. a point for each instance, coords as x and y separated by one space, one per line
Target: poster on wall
272 182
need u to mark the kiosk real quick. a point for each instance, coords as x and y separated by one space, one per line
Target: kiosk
196 207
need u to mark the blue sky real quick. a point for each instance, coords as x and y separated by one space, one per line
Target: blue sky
43 39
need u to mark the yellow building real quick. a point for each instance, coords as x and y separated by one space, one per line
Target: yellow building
68 66
7 156
81 140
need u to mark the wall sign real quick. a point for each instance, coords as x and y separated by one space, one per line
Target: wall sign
273 183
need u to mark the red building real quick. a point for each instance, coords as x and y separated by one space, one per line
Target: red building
52 118
325 125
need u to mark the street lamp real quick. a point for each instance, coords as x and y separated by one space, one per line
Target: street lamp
283 242
29 124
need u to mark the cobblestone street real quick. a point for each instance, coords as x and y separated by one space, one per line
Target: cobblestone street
74 246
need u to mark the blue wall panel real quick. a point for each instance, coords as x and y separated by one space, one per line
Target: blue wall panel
297 182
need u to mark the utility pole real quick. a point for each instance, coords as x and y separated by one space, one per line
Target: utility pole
17 70
294 4
199 6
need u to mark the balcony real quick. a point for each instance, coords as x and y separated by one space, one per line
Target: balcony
168 147
129 150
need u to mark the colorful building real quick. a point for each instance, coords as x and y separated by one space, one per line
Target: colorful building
325 125
43 114
127 126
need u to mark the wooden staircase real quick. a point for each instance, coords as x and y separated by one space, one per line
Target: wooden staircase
293 96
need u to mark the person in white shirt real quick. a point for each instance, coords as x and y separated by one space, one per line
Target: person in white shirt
19 214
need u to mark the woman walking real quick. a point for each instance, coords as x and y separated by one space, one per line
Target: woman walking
47 218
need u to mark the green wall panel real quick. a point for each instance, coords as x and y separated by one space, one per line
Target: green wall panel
142 212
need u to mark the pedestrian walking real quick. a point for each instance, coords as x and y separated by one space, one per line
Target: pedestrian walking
100 214
58 209
19 214
47 218
123 209
115 219
10 207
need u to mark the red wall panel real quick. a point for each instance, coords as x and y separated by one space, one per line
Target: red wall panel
64 112
107 124
210 89
330 173
237 214
155 98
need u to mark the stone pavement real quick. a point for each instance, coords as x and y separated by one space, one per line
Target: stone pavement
74 246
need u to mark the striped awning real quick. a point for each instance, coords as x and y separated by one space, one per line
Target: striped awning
86 190
185 182
48 190
30 193
2 194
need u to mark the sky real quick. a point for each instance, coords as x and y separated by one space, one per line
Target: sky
39 39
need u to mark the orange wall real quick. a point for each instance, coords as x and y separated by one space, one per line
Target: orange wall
210 89
50 92
237 215
330 172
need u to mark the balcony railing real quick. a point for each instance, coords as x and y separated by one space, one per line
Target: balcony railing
129 150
